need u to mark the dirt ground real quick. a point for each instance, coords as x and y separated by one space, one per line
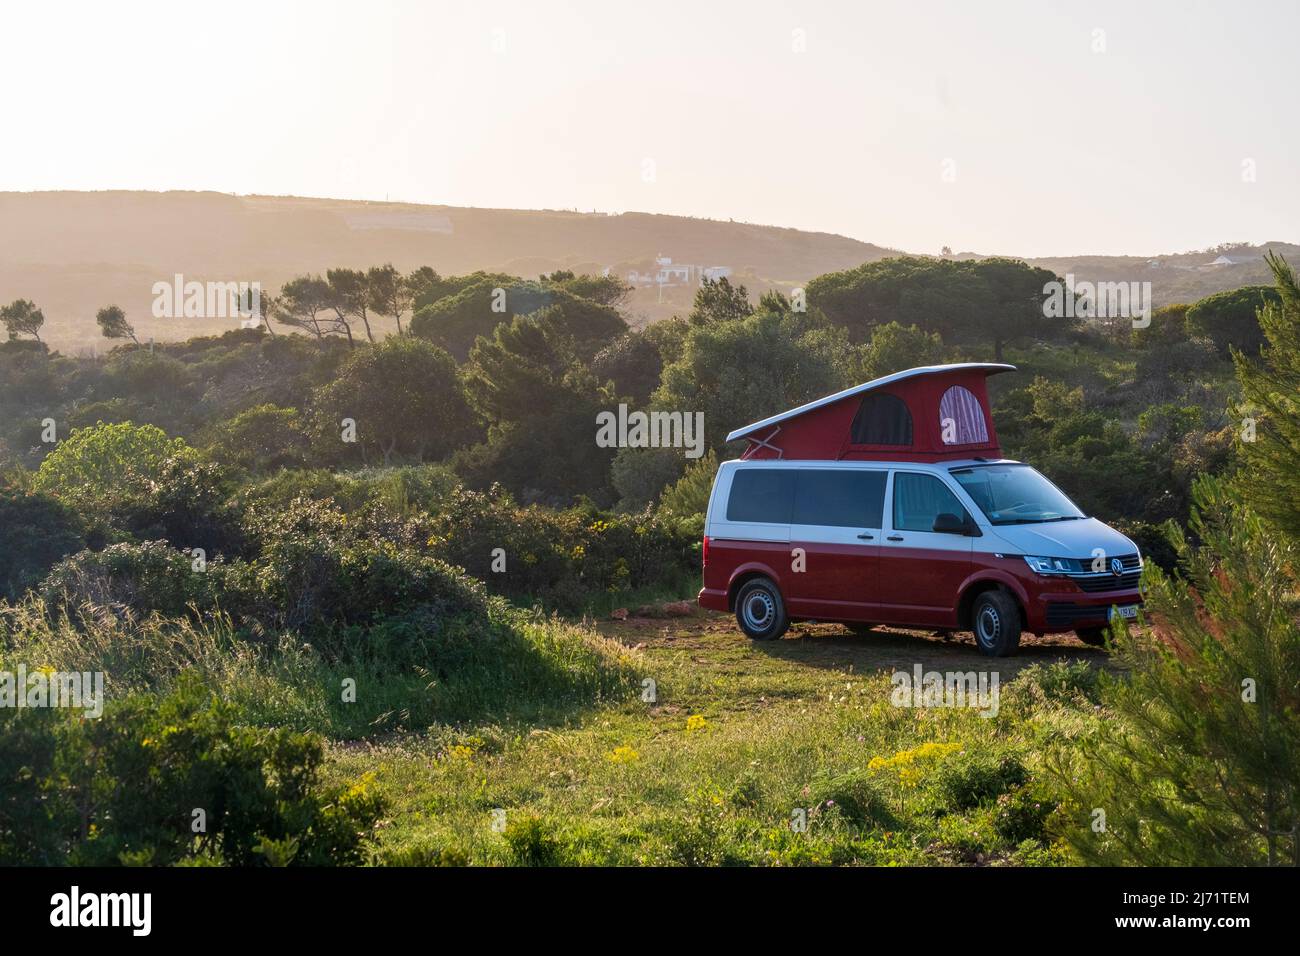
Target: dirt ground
834 646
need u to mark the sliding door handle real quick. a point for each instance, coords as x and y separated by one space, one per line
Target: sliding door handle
895 537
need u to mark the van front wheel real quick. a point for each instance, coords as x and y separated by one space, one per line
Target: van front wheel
760 610
996 620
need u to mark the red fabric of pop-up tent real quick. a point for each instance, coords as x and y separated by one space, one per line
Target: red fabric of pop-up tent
932 413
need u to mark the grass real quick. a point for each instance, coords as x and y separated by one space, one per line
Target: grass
517 666
526 739
738 750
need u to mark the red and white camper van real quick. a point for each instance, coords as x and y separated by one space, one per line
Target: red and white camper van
891 503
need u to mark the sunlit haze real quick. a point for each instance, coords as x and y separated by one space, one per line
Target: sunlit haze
1027 128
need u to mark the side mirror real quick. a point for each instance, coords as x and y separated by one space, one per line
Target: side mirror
951 524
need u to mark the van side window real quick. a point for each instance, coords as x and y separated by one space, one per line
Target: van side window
761 494
919 499
842 498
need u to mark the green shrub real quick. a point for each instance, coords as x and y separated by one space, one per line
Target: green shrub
35 810
144 577
1061 682
1197 759
857 797
689 496
979 776
1022 815
94 467
279 491
422 856
319 571
184 502
561 557
36 532
261 439
405 399
534 842
317 577
125 789
697 834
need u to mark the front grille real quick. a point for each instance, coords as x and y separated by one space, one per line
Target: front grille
1093 582
1105 581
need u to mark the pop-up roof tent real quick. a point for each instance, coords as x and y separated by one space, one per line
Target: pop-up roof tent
932 413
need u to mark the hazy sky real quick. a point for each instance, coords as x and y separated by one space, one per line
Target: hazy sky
1033 128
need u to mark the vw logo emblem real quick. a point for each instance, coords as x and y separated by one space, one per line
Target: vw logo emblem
1116 567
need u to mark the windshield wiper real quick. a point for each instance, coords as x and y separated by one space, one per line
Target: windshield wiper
1039 520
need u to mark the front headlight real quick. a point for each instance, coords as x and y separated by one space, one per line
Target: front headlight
1042 565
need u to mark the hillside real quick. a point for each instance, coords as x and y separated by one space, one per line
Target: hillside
74 252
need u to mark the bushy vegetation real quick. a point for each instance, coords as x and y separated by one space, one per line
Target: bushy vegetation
365 531
1199 764
168 779
501 379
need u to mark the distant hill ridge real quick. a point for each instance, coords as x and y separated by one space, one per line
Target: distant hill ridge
73 252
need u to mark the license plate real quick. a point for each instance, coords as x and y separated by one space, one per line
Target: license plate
1129 612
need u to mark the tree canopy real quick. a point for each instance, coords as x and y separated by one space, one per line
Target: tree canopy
405 398
455 321
986 302
95 466
21 317
1228 318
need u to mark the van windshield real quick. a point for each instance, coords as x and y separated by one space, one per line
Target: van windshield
1016 494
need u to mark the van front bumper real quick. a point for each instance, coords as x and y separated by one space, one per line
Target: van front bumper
1052 612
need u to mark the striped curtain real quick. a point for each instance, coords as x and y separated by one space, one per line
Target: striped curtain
961 418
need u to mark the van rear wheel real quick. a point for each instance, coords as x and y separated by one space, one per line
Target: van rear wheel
996 621
760 610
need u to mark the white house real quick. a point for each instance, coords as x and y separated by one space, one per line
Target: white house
669 273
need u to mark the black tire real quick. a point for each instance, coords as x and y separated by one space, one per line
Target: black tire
1092 636
995 619
760 611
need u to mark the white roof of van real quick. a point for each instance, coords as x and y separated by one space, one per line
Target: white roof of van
948 465
992 367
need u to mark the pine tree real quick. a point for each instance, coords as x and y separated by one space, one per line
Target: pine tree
1270 432
1196 757
689 495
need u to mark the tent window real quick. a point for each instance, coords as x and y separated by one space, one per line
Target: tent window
882 420
961 418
